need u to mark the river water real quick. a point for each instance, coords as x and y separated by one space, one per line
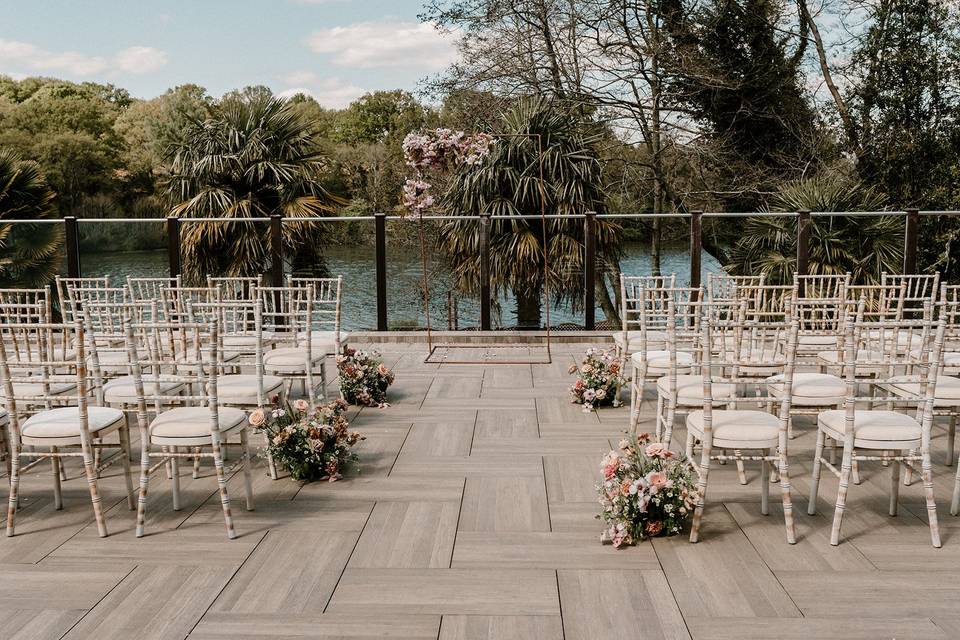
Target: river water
404 277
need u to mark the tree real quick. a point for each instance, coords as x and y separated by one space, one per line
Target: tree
254 157
30 254
866 247
543 161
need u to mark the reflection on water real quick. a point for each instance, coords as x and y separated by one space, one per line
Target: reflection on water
404 283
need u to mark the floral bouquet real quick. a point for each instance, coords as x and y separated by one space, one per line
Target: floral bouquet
645 493
310 444
599 379
363 378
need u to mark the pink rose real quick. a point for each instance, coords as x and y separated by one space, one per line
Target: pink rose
301 405
658 450
257 418
657 479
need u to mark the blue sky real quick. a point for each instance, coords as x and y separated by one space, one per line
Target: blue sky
334 49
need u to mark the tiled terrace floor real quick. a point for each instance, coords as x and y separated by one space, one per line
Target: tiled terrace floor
473 518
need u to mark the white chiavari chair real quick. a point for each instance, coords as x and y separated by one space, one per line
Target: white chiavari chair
868 426
65 285
746 423
61 432
150 288
327 295
242 288
916 290
27 305
723 287
287 314
184 353
628 339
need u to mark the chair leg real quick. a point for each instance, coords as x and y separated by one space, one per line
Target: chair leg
926 473
125 454
167 465
196 463
765 485
14 486
951 439
247 479
660 422
784 472
175 483
894 486
222 485
955 502
144 482
91 473
855 472
688 450
57 488
741 472
701 493
845 470
908 474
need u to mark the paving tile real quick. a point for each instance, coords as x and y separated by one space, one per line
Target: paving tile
547 550
324 626
56 586
505 423
501 628
504 504
572 478
834 628
407 535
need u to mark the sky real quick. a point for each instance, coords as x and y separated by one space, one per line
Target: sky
335 50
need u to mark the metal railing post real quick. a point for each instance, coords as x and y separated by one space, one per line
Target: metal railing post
803 242
173 245
910 236
589 270
696 247
276 249
380 244
72 239
485 271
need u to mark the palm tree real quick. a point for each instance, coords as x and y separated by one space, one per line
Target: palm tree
255 156
30 254
864 246
543 160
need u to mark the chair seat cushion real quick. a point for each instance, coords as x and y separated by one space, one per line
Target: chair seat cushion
245 340
3 417
630 340
326 337
947 393
190 424
690 390
123 390
36 388
868 360
872 428
816 342
659 361
242 388
811 389
738 428
950 360
64 422
290 359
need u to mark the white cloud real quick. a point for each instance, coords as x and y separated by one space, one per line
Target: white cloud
333 93
72 63
301 77
385 44
140 59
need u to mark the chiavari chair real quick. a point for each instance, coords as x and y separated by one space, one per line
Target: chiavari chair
287 314
628 339
327 294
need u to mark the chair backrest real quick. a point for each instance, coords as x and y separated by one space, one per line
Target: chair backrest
184 353
916 289
723 286
174 300
327 294
26 305
149 288
662 310
822 286
882 300
287 313
235 288
30 368
65 285
631 288
767 302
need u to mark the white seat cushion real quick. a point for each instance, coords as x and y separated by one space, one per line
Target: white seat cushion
951 361
816 342
191 425
242 388
873 429
868 360
947 393
245 341
659 361
811 389
631 340
290 359
36 388
112 360
690 390
123 390
3 417
64 423
738 428
326 337
905 339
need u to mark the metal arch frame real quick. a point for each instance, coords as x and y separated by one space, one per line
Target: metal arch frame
432 348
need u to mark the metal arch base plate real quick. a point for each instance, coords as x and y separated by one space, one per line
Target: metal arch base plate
489 354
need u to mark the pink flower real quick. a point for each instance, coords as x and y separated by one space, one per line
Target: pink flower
658 450
657 479
610 465
257 418
301 405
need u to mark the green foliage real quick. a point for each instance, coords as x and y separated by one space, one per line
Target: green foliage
544 160
254 157
866 247
30 254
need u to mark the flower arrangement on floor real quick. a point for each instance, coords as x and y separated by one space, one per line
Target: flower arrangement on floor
364 378
645 493
310 444
599 379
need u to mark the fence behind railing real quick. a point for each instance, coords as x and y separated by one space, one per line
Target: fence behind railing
803 220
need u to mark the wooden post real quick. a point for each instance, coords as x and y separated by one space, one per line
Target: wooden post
803 243
485 271
380 244
589 270
72 238
910 236
173 245
696 248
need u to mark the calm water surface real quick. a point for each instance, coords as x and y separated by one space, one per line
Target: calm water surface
404 275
